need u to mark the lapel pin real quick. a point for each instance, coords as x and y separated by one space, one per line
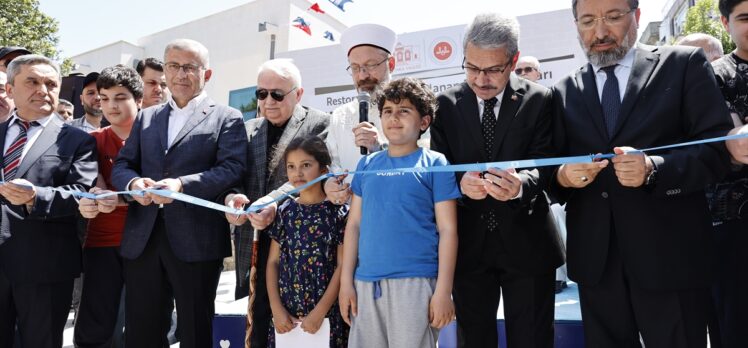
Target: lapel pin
514 97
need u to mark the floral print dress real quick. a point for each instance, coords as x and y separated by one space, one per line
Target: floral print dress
308 236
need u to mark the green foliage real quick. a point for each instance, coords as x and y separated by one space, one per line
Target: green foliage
704 18
23 24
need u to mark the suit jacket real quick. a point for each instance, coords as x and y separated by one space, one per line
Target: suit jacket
208 155
44 245
662 230
527 238
264 177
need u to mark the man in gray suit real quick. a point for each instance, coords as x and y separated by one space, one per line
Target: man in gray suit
189 145
283 119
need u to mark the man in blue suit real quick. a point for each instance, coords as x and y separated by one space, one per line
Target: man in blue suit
189 145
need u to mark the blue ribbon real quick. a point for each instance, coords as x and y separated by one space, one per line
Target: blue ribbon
473 167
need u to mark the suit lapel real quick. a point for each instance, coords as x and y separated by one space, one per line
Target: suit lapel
587 85
161 122
294 124
467 104
47 138
510 102
260 140
644 64
202 111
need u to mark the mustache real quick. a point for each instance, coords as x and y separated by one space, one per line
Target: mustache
604 41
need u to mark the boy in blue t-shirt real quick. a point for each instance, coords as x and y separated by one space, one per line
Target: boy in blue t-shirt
400 242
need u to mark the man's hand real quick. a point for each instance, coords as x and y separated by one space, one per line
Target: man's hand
578 175
473 186
105 205
18 192
261 219
174 185
632 167
348 302
236 201
441 310
738 147
502 185
337 190
367 135
141 184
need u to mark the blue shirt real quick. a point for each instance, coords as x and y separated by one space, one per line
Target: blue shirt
398 236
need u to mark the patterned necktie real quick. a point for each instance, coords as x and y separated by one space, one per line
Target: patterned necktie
488 126
12 157
611 99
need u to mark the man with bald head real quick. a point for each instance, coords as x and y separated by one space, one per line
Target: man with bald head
529 68
192 145
711 46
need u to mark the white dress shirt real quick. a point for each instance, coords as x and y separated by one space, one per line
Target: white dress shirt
496 108
179 116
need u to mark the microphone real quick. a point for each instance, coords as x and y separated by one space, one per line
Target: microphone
363 113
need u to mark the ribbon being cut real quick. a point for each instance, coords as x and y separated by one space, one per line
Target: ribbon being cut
473 167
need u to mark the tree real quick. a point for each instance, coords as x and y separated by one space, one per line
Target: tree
704 18
23 24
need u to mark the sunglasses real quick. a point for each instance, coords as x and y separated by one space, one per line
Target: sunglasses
525 70
263 93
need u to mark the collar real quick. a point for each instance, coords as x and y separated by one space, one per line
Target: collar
627 61
191 105
42 121
498 97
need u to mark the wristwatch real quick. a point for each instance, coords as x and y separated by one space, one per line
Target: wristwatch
651 179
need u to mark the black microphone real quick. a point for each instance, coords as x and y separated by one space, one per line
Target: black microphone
363 113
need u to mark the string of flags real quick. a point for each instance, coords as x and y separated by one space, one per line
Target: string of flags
302 24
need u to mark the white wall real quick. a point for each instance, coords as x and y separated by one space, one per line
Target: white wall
120 52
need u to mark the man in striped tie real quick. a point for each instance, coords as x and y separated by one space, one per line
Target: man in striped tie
42 161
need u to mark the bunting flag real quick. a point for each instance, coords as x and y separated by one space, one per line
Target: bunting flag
302 24
340 3
315 7
328 35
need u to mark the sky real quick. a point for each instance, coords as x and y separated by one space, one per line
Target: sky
89 24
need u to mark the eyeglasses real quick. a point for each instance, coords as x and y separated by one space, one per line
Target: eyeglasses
525 70
492 71
263 93
355 69
613 18
189 69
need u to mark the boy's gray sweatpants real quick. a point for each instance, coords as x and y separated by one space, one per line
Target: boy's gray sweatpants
399 318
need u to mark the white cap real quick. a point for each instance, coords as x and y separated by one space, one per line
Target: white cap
368 34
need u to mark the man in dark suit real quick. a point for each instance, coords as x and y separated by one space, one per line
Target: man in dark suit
190 145
638 225
508 241
279 92
40 254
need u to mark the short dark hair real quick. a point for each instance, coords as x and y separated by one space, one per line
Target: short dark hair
416 91
726 7
122 76
312 145
149 62
632 5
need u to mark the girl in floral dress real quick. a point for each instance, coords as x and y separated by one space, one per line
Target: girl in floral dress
303 269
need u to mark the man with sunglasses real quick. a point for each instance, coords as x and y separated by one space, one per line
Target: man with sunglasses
639 230
191 145
282 119
529 68
508 241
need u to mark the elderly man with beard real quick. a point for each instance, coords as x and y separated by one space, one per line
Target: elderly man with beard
91 120
639 230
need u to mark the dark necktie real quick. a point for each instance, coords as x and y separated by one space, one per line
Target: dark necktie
12 157
611 99
488 126
11 160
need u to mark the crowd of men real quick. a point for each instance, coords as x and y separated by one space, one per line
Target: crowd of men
654 240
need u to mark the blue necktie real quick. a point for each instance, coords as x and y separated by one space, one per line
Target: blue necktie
611 99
